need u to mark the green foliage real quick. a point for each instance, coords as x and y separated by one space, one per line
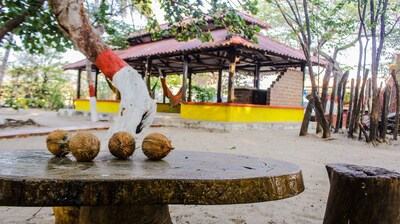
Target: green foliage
220 13
203 94
332 23
39 29
37 83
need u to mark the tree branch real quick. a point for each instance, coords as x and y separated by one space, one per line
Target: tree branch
16 21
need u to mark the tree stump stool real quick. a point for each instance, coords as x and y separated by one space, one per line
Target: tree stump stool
362 194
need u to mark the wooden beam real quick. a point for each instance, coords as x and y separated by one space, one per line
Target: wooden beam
190 87
192 63
96 79
231 80
185 75
148 73
78 84
257 76
219 90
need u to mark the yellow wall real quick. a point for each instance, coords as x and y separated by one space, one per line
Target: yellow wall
103 106
111 106
211 111
166 108
241 113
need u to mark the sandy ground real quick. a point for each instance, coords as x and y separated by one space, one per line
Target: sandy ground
311 153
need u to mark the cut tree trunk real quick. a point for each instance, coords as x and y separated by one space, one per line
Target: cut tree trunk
355 113
350 104
362 194
307 115
324 93
385 112
339 115
333 96
364 132
396 121
368 90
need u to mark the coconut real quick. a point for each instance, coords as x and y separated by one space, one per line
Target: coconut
84 146
121 145
57 143
156 146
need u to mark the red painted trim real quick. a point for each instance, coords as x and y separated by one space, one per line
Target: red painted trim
91 91
116 101
109 63
242 105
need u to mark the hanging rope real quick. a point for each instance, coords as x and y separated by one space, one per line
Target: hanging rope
174 100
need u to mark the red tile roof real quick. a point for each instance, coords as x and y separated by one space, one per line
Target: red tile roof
172 46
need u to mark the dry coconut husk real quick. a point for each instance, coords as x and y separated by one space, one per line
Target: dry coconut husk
84 146
57 143
121 145
156 146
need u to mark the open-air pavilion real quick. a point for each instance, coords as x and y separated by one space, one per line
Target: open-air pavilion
281 102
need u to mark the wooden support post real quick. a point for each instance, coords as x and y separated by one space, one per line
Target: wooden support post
219 88
78 84
362 194
148 74
231 79
96 80
190 87
257 76
185 76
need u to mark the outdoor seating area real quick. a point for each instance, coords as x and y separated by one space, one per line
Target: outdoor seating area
235 54
198 112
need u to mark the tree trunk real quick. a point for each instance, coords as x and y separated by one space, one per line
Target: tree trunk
324 93
359 106
137 109
364 132
362 194
307 115
319 112
350 104
150 214
384 115
333 96
396 85
4 62
355 114
368 90
339 115
377 20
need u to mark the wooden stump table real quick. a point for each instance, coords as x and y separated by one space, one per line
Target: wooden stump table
138 190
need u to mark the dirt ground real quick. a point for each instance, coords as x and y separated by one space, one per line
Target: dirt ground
311 153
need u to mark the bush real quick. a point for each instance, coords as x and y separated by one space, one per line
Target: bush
203 94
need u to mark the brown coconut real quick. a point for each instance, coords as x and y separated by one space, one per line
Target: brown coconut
156 146
57 143
84 146
121 145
